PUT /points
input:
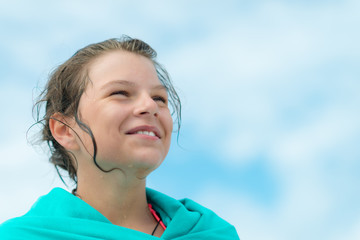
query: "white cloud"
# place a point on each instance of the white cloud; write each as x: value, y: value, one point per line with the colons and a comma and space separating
x: 247, y: 80
x: 312, y: 142
x: 302, y: 211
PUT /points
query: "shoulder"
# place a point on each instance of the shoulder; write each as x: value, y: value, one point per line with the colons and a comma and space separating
x: 12, y: 228
x: 23, y: 227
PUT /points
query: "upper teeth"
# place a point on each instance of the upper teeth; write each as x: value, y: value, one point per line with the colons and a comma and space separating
x: 146, y: 133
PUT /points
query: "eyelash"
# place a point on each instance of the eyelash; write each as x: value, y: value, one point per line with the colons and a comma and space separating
x: 159, y: 98
x: 126, y: 94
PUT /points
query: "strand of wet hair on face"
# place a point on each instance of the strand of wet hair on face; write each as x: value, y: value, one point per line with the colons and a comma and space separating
x: 174, y: 97
x: 175, y: 101
x: 86, y: 129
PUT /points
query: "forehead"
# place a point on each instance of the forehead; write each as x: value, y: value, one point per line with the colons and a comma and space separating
x: 121, y: 65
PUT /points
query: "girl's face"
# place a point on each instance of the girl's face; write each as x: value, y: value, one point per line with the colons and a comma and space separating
x: 126, y: 107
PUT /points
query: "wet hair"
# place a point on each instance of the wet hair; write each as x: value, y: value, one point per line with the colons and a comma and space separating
x: 68, y: 82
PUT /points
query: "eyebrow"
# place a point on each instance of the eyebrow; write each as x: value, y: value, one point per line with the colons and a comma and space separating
x: 130, y: 84
x: 116, y: 82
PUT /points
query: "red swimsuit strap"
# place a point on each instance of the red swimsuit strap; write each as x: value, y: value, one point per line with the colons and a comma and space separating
x: 156, y: 216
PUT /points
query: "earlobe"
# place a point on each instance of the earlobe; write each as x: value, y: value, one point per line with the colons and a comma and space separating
x: 61, y: 130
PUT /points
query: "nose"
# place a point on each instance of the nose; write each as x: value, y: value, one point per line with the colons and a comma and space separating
x: 145, y: 105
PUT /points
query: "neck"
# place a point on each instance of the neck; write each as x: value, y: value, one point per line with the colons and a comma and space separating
x: 121, y: 199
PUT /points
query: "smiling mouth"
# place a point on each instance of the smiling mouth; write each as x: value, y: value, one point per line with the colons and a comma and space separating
x: 145, y: 130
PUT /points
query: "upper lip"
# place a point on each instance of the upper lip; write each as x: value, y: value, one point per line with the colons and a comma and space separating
x: 148, y: 128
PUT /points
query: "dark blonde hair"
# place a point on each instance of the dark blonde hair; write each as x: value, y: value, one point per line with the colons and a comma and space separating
x: 67, y: 83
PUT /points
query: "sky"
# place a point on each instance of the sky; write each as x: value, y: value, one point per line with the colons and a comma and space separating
x: 270, y: 91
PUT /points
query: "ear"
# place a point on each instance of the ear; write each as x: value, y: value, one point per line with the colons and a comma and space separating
x: 60, y: 127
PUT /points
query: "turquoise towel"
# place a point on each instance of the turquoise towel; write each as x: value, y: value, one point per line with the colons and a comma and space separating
x: 60, y: 215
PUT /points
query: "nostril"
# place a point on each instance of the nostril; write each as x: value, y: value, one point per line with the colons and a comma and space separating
x: 150, y: 113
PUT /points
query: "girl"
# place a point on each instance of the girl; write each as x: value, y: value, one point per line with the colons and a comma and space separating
x: 108, y: 124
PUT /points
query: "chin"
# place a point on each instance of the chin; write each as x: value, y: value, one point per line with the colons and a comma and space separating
x: 142, y: 173
x: 140, y: 162
x: 143, y: 167
x: 148, y: 157
x: 148, y: 163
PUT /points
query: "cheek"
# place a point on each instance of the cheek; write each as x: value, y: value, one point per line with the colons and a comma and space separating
x: 169, y: 128
x: 168, y: 121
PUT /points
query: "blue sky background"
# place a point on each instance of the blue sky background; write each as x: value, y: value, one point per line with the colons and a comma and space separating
x: 270, y: 89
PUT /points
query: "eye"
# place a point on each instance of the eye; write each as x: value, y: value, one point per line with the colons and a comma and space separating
x: 160, y: 98
x: 121, y: 92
